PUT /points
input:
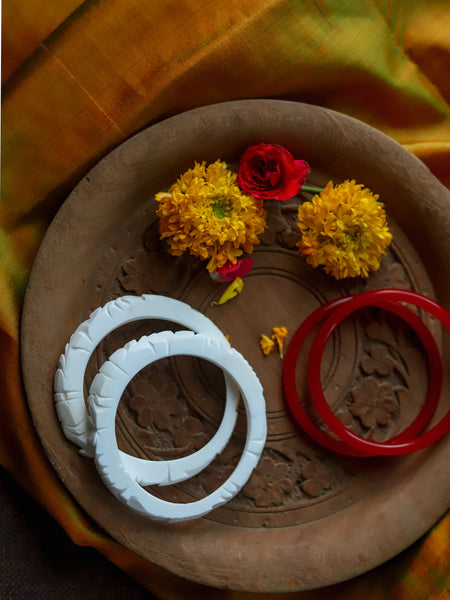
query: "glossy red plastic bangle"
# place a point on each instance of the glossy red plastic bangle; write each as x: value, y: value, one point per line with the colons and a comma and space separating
x: 434, y: 365
x: 373, y: 298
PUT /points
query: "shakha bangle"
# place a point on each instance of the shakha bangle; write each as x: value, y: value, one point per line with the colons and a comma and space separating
x: 69, y: 381
x: 107, y: 388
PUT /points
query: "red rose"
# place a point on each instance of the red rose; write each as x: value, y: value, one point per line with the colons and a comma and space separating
x: 269, y: 171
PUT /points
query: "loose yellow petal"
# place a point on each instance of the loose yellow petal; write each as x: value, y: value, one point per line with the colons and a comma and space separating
x: 267, y: 345
x: 279, y: 334
x: 232, y: 290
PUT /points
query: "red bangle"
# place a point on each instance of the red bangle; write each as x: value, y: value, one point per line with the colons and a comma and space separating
x: 434, y: 366
x: 395, y: 446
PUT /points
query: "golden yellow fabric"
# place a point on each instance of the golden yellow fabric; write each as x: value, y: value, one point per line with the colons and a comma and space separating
x: 81, y: 77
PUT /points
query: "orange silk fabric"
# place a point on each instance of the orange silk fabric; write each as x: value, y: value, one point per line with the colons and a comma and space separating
x: 81, y: 77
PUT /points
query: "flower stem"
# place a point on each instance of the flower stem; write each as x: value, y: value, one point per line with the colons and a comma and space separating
x: 311, y: 188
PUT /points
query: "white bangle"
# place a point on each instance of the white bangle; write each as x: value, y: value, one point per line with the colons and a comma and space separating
x: 106, y: 391
x: 69, y: 383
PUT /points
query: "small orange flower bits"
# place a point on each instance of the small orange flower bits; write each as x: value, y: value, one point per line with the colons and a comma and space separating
x: 279, y: 335
x: 267, y: 345
x: 206, y: 213
x: 344, y: 230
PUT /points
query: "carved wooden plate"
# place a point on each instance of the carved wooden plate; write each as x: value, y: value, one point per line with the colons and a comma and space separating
x: 307, y: 517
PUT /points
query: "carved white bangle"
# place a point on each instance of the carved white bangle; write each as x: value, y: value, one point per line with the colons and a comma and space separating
x: 106, y: 391
x: 69, y: 379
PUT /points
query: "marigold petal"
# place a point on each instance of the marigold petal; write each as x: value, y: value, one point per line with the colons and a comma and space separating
x: 267, y: 345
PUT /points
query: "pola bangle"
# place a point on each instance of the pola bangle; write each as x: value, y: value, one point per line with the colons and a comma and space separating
x: 300, y: 336
x: 396, y: 446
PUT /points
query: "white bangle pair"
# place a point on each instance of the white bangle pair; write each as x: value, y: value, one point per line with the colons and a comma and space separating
x: 93, y: 429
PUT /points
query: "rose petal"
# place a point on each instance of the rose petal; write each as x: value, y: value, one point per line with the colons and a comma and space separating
x: 229, y: 272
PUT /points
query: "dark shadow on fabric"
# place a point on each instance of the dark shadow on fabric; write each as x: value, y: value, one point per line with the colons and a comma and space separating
x: 39, y: 561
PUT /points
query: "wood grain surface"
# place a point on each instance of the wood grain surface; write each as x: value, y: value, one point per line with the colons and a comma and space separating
x: 307, y: 517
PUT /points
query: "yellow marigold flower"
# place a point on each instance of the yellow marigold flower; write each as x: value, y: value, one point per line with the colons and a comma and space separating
x: 344, y: 230
x: 267, y: 345
x: 279, y: 335
x: 206, y: 213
